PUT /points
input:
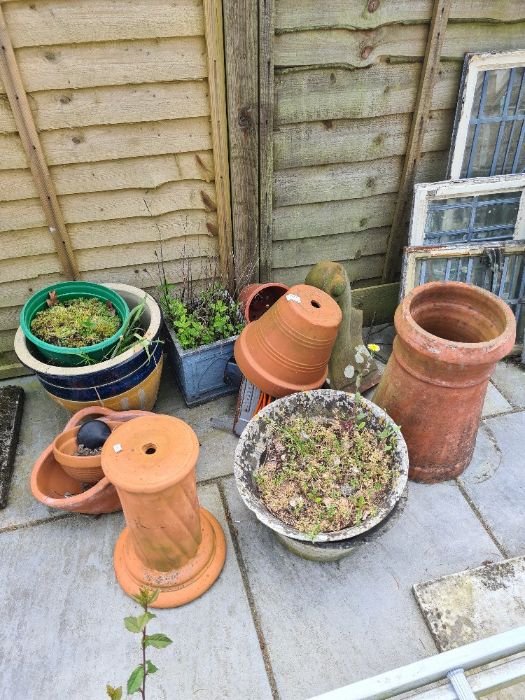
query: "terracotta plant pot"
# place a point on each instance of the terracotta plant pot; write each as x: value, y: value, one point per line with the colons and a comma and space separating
x: 288, y: 348
x: 87, y: 468
x: 170, y: 543
x: 256, y: 299
x: 53, y: 487
x: 449, y: 337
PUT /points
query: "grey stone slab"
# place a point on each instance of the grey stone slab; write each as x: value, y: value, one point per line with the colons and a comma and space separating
x: 11, y: 406
x: 63, y: 634
x: 328, y: 624
x: 384, y: 337
x: 509, y: 378
x: 494, y: 402
x: 495, y: 479
x: 474, y: 604
x: 217, y: 446
x: 42, y: 420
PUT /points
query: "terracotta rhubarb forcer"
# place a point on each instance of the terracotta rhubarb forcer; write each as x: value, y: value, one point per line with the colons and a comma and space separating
x: 289, y: 347
x: 256, y: 299
x: 55, y: 488
x: 449, y: 337
x: 170, y: 543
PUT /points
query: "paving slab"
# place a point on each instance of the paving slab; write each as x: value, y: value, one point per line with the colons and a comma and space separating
x: 217, y: 446
x: 63, y: 634
x: 495, y: 479
x: 509, y: 378
x: 11, y: 405
x: 329, y: 624
x: 495, y: 402
x: 474, y: 604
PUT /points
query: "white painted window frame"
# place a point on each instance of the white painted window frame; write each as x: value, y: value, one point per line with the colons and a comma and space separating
x: 414, y: 253
x: 475, y: 63
x: 426, y: 193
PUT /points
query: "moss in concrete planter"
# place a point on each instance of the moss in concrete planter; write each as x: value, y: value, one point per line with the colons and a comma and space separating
x: 326, y: 474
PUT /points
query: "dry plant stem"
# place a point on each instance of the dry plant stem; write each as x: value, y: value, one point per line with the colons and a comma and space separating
x: 143, y: 691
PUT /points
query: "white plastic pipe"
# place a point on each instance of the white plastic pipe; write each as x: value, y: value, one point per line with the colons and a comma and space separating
x: 431, y: 669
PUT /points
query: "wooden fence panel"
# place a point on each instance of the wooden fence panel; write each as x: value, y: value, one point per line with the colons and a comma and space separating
x: 122, y: 95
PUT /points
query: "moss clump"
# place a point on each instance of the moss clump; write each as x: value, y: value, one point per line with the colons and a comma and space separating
x: 76, y: 323
x: 324, y: 475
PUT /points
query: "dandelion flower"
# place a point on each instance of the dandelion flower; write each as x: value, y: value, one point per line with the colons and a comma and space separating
x: 373, y: 347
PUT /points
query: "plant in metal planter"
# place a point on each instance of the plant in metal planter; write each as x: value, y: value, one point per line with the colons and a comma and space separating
x: 202, y: 329
x: 323, y: 469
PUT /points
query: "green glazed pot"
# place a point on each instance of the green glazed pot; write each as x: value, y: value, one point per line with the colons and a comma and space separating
x: 72, y: 357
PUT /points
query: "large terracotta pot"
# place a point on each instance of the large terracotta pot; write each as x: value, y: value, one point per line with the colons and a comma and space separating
x: 288, y: 348
x: 170, y: 543
x: 55, y: 488
x: 256, y: 299
x: 449, y: 337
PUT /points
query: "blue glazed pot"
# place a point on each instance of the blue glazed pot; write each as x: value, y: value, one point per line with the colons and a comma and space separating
x: 128, y: 381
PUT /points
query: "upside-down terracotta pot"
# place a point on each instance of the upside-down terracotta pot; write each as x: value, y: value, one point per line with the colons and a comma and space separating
x: 169, y: 542
x: 256, y: 299
x: 55, y: 488
x: 449, y: 337
x: 288, y: 348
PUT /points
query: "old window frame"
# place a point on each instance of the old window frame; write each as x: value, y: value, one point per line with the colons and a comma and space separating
x: 476, y: 63
x: 427, y: 193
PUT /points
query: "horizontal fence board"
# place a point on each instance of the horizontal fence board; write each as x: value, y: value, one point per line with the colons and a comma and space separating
x: 144, y: 252
x: 341, y: 246
x: 348, y: 180
x: 95, y: 143
x: 367, y: 268
x: 147, y: 173
x: 337, y: 93
x: 120, y: 104
x: 312, y: 14
x: 103, y: 206
x: 358, y: 48
x: 17, y: 292
x: 325, y: 218
x: 28, y: 268
x: 154, y: 229
x: 348, y: 141
x: 90, y: 65
x: 18, y: 244
x: 14, y: 244
x: 7, y: 123
x: 146, y: 276
x: 47, y: 22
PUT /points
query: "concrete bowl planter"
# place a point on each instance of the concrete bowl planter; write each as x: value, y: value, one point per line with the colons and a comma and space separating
x: 128, y: 381
x: 251, y: 452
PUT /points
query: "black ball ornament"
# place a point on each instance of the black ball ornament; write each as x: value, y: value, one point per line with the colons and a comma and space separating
x: 93, y: 434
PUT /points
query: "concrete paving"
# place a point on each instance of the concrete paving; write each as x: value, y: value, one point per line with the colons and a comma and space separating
x: 273, y: 626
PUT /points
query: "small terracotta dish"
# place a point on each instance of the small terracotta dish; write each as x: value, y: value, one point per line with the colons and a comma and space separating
x: 84, y: 468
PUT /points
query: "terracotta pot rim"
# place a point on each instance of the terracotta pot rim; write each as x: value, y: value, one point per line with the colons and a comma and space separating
x: 453, y: 351
x: 253, y: 501
x: 248, y: 293
x: 71, y: 460
x: 63, y: 503
x: 29, y: 360
x: 125, y: 482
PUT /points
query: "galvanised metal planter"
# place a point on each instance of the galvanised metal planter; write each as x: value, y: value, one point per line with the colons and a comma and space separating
x: 449, y: 337
x: 200, y: 372
x: 129, y: 381
x: 251, y: 452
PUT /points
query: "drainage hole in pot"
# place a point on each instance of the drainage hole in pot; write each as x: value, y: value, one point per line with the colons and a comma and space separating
x: 149, y: 449
x: 315, y: 304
